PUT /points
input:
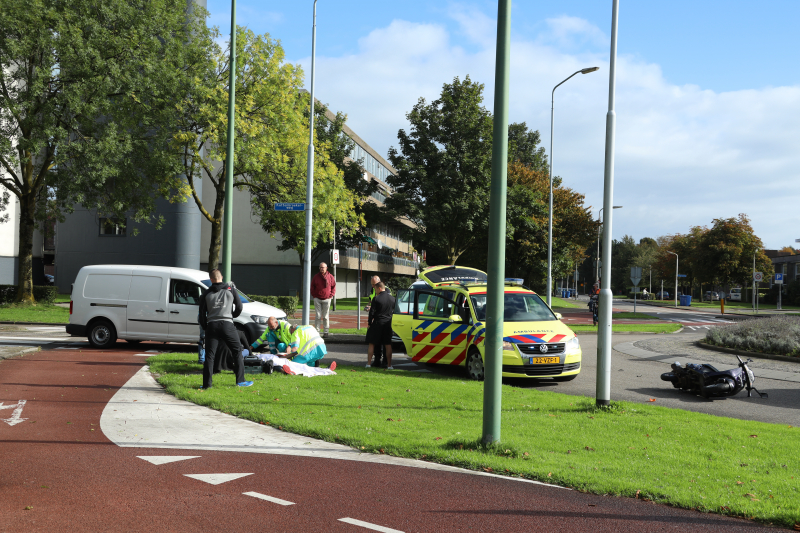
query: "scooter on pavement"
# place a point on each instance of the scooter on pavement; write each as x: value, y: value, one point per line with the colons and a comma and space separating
x: 709, y: 382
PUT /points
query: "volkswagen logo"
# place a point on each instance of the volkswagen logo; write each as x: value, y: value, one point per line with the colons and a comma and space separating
x: 543, y: 348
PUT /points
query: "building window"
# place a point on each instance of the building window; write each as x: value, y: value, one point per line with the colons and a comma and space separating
x: 112, y: 227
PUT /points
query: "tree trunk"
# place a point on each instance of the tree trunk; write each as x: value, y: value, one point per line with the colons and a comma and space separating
x: 215, y: 248
x: 27, y: 205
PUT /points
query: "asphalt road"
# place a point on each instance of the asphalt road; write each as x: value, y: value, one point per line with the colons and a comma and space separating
x: 61, y: 473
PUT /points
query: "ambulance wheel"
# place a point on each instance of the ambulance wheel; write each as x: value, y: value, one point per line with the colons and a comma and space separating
x: 102, y: 334
x: 474, y: 365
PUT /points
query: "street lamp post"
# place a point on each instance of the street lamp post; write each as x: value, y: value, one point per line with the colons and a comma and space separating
x: 310, y: 184
x: 597, y: 263
x: 676, y: 276
x: 550, y: 216
x: 604, y: 334
x: 227, y: 212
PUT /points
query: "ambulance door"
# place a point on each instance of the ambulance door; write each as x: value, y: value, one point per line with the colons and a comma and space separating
x: 433, y: 336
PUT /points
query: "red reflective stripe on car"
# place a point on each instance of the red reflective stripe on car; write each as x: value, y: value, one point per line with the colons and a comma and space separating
x: 423, y: 352
x: 458, y: 360
x: 444, y: 351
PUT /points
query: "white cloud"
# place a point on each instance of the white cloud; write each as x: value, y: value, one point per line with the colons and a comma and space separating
x: 684, y: 155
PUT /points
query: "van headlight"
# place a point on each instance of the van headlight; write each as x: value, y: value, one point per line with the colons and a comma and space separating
x: 258, y: 319
x: 573, y: 346
x: 507, y: 346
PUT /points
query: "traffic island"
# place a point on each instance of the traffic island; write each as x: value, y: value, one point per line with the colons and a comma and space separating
x: 686, y: 459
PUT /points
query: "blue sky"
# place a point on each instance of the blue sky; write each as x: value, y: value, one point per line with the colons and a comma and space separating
x: 708, y: 93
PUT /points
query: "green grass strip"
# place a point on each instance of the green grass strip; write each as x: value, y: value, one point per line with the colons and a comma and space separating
x: 639, y: 328
x: 681, y: 458
x: 636, y: 316
x: 562, y: 303
x: 34, y: 313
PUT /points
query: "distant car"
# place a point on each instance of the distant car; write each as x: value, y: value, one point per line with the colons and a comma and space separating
x: 663, y: 295
x: 712, y: 296
x: 735, y: 295
x: 49, y: 279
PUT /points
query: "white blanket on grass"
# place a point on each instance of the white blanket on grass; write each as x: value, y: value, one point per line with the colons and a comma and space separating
x: 298, y: 368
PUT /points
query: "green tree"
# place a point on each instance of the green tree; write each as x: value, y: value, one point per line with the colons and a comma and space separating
x: 88, y: 94
x: 728, y: 249
x: 444, y: 170
x: 271, y: 134
x: 523, y: 147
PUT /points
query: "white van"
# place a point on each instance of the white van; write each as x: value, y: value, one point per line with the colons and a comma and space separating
x: 736, y: 294
x: 155, y: 303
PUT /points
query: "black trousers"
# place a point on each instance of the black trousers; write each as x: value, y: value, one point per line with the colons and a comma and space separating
x: 222, y: 332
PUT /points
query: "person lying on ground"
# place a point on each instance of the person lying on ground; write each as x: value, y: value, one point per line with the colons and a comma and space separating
x: 296, y: 369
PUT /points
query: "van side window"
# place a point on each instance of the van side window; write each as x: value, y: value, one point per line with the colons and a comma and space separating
x: 184, y: 292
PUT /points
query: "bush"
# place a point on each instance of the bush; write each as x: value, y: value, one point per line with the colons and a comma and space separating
x: 287, y: 304
x: 44, y: 294
x: 398, y: 283
x: 778, y: 335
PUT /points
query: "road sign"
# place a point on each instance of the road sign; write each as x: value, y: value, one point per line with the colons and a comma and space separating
x: 288, y: 206
x: 758, y: 276
x: 681, y: 275
x: 636, y: 275
x: 335, y: 257
x: 778, y: 279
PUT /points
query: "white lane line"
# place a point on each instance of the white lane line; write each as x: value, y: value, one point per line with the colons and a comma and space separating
x: 367, y: 525
x: 67, y: 348
x: 153, y: 351
x: 164, y: 459
x: 216, y: 479
x: 143, y: 355
x: 268, y: 498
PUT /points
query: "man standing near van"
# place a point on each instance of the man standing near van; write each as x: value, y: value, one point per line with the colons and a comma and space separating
x: 219, y: 305
x: 380, y: 324
x: 323, y: 290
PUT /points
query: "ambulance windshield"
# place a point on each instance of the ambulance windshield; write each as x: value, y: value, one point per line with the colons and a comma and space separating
x: 519, y: 307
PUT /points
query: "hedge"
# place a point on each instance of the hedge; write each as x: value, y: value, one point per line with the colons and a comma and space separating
x: 45, y: 294
x: 287, y: 304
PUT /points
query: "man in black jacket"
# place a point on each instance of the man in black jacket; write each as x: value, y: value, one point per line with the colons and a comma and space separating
x: 380, y: 324
x: 219, y: 305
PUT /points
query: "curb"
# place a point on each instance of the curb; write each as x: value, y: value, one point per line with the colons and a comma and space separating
x: 757, y: 355
x: 333, y: 338
x: 33, y: 324
x: 21, y: 352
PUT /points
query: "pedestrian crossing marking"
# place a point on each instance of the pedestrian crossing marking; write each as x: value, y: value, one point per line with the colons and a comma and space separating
x: 216, y: 479
x: 267, y: 498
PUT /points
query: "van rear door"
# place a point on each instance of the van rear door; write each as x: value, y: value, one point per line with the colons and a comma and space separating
x: 147, y: 307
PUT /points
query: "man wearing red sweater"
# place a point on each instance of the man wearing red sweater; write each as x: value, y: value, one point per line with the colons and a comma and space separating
x: 323, y: 290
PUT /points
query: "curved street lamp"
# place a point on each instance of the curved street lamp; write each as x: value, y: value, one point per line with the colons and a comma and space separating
x: 550, y: 216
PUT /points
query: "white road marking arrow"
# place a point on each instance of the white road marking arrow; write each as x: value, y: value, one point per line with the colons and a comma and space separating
x: 164, y: 459
x: 216, y: 479
x: 15, y: 414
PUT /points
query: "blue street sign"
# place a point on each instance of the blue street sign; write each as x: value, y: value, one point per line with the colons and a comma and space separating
x: 681, y: 275
x: 286, y: 206
x: 778, y: 278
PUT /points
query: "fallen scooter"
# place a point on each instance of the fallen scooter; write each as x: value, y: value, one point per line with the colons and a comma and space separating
x: 709, y: 382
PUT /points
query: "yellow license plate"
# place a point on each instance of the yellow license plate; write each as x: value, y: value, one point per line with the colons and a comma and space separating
x: 544, y: 360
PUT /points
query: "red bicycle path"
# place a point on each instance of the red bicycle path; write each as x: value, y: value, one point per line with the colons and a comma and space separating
x: 60, y: 473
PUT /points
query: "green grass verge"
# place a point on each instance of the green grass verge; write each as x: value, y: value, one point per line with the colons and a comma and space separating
x: 34, y: 313
x: 637, y: 316
x: 63, y: 298
x: 562, y: 303
x: 348, y: 331
x: 681, y: 458
x: 620, y: 328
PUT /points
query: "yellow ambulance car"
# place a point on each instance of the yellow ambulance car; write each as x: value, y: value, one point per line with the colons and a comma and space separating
x: 443, y: 323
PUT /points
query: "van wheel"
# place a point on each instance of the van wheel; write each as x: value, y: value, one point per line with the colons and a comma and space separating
x: 474, y: 365
x: 102, y: 334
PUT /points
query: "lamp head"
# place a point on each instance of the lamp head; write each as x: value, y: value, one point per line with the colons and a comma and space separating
x: 588, y: 70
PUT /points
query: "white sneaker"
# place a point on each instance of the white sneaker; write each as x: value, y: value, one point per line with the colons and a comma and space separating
x: 368, y: 366
x: 389, y: 368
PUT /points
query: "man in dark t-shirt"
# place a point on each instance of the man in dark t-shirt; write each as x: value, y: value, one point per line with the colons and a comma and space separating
x: 380, y: 324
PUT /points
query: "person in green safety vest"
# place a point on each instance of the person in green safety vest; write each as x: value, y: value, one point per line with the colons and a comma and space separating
x: 305, y: 348
x: 278, y: 336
